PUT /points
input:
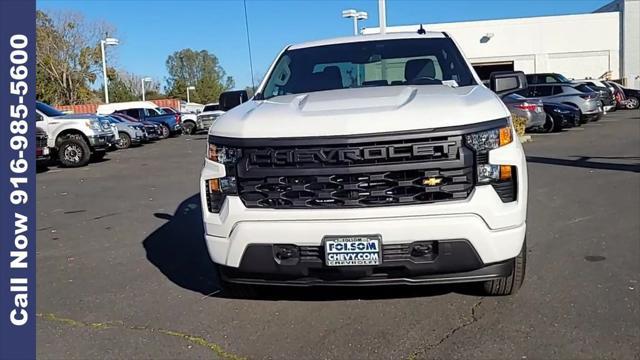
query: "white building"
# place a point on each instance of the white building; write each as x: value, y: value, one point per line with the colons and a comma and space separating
x: 603, y: 43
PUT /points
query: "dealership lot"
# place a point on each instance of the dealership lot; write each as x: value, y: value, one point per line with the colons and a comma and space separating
x: 123, y: 270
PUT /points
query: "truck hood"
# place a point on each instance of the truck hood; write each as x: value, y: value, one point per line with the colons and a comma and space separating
x: 361, y: 111
x: 78, y: 117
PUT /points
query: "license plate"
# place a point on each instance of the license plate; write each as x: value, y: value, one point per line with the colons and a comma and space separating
x: 357, y: 250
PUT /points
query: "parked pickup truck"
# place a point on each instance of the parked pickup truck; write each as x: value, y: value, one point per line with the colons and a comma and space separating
x: 368, y: 160
x: 145, y: 111
x: 74, y: 138
x: 42, y: 149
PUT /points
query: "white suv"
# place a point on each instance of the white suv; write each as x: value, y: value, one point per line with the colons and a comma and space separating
x: 368, y: 160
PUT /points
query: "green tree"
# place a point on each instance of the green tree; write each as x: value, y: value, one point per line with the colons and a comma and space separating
x: 68, y: 57
x: 201, y: 69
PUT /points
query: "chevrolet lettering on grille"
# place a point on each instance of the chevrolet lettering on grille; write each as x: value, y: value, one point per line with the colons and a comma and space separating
x: 266, y: 157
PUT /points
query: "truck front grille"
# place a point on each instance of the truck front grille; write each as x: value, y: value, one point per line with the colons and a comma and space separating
x: 41, y: 141
x: 357, y: 190
x: 374, y: 171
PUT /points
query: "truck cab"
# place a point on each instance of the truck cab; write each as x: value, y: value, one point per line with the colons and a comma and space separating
x: 368, y: 160
x: 74, y: 138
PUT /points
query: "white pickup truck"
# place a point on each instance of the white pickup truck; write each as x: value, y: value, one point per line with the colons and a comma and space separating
x: 368, y: 160
x: 76, y: 138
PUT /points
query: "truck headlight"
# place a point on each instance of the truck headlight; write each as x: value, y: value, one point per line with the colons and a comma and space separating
x: 224, y: 154
x: 490, y: 139
x: 218, y: 189
x: 93, y: 125
x: 501, y: 177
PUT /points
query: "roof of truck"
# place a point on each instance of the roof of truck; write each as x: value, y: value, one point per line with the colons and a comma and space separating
x: 372, y: 37
x: 113, y: 107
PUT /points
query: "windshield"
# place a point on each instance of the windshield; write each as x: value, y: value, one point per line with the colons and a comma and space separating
x: 214, y: 107
x: 113, y: 119
x: 48, y: 110
x: 368, y: 63
x: 562, y: 78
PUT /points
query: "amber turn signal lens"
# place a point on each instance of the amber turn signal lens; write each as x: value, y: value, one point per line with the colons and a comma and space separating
x: 505, y: 136
x: 214, y: 185
x: 505, y: 172
x: 212, y: 153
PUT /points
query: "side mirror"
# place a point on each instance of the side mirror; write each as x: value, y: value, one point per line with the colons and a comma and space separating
x: 503, y: 82
x: 39, y: 117
x: 230, y: 99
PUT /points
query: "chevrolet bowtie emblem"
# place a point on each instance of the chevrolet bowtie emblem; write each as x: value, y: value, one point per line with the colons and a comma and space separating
x: 431, y: 181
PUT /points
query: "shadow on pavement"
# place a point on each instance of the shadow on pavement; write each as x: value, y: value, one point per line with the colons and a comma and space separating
x: 178, y: 250
x: 583, y: 162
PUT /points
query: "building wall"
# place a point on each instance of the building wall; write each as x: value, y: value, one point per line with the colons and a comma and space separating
x: 631, y: 42
x: 578, y: 46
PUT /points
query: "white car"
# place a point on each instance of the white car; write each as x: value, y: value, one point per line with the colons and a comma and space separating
x: 368, y: 160
x: 74, y: 138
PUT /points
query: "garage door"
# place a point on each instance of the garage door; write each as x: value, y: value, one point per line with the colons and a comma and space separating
x: 579, y: 65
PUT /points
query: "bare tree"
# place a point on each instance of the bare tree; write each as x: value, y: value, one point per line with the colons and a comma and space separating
x: 68, y: 56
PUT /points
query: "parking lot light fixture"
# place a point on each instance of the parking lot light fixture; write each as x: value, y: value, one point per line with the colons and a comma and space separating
x: 112, y: 42
x: 355, y: 15
x: 189, y: 88
x: 143, y: 80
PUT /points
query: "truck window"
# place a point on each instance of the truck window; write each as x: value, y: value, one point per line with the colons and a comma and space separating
x: 133, y: 113
x: 213, y: 107
x: 151, y: 112
x: 428, y: 61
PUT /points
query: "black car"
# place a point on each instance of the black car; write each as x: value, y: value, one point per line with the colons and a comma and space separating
x: 560, y: 116
x: 547, y: 78
x: 633, y: 98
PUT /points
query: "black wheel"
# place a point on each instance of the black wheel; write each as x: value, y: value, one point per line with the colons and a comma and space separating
x: 73, y: 151
x: 511, y: 284
x: 164, y: 131
x: 549, y: 124
x: 188, y: 128
x: 557, y: 126
x: 632, y: 103
x: 124, y: 142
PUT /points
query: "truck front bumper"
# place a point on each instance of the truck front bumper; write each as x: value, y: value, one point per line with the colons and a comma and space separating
x: 101, y: 141
x: 474, y: 239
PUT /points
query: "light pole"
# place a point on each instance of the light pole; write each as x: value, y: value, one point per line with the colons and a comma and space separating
x: 355, y: 15
x: 143, y: 80
x: 107, y: 41
x: 189, y: 88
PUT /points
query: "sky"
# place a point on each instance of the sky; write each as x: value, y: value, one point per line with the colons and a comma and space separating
x: 149, y: 31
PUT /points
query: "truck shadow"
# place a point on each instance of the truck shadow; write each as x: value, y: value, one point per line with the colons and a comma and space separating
x: 178, y: 250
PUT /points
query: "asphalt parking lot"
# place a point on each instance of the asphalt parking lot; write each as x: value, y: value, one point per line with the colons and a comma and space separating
x: 123, y: 271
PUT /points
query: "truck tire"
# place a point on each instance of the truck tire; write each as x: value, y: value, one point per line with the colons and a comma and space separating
x: 165, y: 132
x: 188, y: 127
x: 124, y: 142
x: 74, y: 151
x: 511, y: 284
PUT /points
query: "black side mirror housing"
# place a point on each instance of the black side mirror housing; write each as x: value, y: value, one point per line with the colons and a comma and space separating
x: 506, y: 82
x: 230, y: 99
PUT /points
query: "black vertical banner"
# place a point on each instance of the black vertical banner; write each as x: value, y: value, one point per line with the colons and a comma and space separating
x: 17, y: 180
